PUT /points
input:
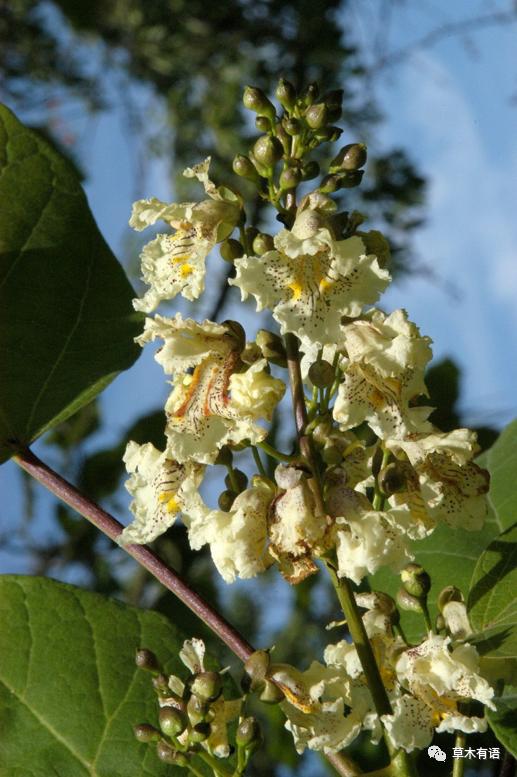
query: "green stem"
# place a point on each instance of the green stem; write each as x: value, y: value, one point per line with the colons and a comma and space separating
x: 192, y: 769
x: 344, y: 765
x: 258, y: 462
x: 233, y: 479
x: 267, y: 448
x: 214, y: 763
x: 427, y: 617
x: 458, y: 766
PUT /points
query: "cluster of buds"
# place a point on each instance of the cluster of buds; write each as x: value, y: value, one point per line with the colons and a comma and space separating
x: 193, y: 715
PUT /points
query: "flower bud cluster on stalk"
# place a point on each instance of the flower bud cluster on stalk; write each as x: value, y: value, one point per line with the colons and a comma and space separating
x: 380, y: 475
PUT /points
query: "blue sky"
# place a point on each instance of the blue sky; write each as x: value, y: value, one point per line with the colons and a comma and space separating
x: 453, y: 111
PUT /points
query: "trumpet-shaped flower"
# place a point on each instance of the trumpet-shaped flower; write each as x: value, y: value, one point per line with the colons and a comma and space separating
x: 173, y: 264
x: 384, y: 372
x: 201, y: 415
x: 158, y: 486
x: 237, y: 538
x: 296, y: 530
x: 444, y: 484
x: 310, y: 282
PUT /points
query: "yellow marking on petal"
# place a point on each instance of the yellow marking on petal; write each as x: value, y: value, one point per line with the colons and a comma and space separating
x: 186, y: 269
x: 180, y: 258
x: 296, y: 288
x: 169, y: 497
x: 325, y: 285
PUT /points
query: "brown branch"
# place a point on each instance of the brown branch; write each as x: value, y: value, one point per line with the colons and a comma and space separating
x: 112, y: 529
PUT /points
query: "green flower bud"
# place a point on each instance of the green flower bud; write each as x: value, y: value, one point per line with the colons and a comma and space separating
x: 226, y: 500
x: 271, y: 693
x: 322, y: 430
x: 208, y: 685
x: 392, y: 478
x: 289, y: 179
x: 263, y: 124
x: 145, y: 659
x: 332, y: 455
x: 310, y: 170
x: 407, y: 602
x: 321, y: 374
x: 272, y: 347
x: 316, y: 116
x: 352, y: 179
x: 292, y: 126
x: 240, y: 477
x: 255, y: 100
x: 168, y: 755
x: 248, y: 734
x: 200, y: 732
x: 172, y: 721
x: 449, y: 594
x: 334, y: 98
x: 268, y: 150
x: 351, y: 157
x: 161, y: 685
x: 310, y: 95
x: 328, y: 134
x: 197, y: 709
x: 224, y: 457
x: 415, y: 580
x: 251, y: 234
x: 242, y: 166
x: 262, y: 243
x: 440, y: 623
x: 256, y: 666
x: 146, y: 733
x: 231, y: 249
x: 286, y: 94
x: 329, y: 184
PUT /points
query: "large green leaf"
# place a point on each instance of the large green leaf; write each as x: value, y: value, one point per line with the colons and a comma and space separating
x: 69, y: 689
x: 502, y: 720
x: 501, y: 461
x: 66, y: 319
x: 492, y: 605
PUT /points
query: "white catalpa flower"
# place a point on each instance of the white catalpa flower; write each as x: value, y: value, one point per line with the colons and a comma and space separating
x: 384, y: 372
x: 329, y: 716
x: 237, y: 538
x: 255, y: 392
x: 442, y: 678
x: 173, y: 264
x: 157, y: 484
x: 310, y: 282
x: 411, y: 726
x: 442, y: 483
x: 201, y: 416
x: 296, y: 530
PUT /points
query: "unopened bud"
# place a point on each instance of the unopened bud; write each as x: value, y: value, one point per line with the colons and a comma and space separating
x: 310, y: 170
x: 285, y: 94
x: 200, y: 732
x: 271, y: 693
x: 248, y: 734
x: 243, y: 166
x: 224, y: 456
x: 145, y: 659
x: 289, y: 179
x: 310, y: 95
x: 292, y: 126
x: 272, y: 347
x: 263, y: 124
x: 330, y: 184
x: 376, y: 243
x: 415, y: 580
x: 322, y: 374
x: 351, y: 157
x: 255, y: 100
x: 230, y: 250
x: 449, y: 594
x: 392, y: 479
x: 196, y: 709
x: 208, y: 685
x: 407, y: 602
x: 172, y: 721
x: 240, y: 477
x: 268, y: 150
x: 161, y: 685
x: 316, y: 116
x: 328, y: 134
x: 146, y: 733
x: 332, y: 455
x: 262, y: 243
x: 352, y: 179
x: 226, y: 500
x: 440, y: 623
x: 168, y: 755
x: 256, y: 666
